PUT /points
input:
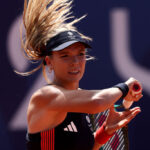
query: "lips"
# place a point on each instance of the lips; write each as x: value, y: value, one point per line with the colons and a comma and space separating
x: 74, y: 72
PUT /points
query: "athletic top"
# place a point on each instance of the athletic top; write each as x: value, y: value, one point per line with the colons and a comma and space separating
x: 74, y: 133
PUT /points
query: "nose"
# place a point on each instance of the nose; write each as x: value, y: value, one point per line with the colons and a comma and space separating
x: 75, y: 59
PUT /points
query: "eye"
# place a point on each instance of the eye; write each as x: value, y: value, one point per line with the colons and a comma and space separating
x: 81, y: 54
x: 62, y: 56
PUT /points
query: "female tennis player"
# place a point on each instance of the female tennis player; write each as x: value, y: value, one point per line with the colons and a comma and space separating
x: 58, y: 112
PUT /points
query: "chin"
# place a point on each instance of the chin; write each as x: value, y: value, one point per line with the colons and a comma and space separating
x: 73, y: 79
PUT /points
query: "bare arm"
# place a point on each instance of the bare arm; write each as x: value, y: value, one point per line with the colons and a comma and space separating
x: 116, y: 120
x: 49, y: 105
x: 87, y: 101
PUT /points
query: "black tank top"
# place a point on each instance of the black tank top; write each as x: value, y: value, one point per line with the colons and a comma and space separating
x: 74, y: 133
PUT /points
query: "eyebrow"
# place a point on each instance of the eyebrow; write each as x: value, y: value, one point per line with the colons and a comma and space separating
x: 82, y: 49
x: 66, y: 51
x: 63, y: 52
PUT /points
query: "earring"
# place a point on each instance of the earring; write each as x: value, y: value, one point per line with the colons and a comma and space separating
x: 50, y: 69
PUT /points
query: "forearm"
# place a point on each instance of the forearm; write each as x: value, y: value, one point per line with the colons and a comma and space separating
x: 86, y: 101
x: 89, y: 101
x: 106, y: 98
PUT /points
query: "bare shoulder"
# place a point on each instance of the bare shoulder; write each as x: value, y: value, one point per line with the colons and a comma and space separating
x: 45, y: 95
x: 45, y: 91
x: 39, y: 114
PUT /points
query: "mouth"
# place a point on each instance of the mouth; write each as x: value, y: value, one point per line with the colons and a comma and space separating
x: 75, y: 72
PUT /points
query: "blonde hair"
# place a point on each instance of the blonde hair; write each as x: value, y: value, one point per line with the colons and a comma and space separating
x: 43, y: 19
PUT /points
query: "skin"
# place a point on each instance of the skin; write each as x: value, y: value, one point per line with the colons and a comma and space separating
x: 65, y: 63
x: 49, y: 105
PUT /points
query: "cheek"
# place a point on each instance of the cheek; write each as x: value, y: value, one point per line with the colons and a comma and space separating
x: 83, y: 64
x: 60, y: 67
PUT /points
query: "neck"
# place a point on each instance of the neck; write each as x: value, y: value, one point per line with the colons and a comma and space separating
x: 68, y: 86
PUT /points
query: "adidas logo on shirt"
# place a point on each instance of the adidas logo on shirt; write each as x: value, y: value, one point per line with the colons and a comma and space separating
x: 71, y: 127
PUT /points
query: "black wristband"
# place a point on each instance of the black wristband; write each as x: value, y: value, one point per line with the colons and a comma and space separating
x: 124, y: 89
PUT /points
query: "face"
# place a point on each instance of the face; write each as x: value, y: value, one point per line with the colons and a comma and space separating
x: 68, y: 64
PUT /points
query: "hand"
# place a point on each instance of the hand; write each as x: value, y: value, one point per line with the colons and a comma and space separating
x: 132, y: 96
x: 117, y: 120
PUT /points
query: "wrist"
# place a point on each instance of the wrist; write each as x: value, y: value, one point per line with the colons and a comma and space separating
x: 108, y: 130
x: 123, y: 87
x: 102, y: 136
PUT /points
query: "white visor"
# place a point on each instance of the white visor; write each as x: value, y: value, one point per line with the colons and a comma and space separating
x: 64, y: 45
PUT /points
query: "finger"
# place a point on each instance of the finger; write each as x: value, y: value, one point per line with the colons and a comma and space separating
x: 137, y: 97
x: 134, y: 94
x: 135, y: 111
x: 132, y: 113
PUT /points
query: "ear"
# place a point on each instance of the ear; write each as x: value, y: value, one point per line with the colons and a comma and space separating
x: 48, y: 60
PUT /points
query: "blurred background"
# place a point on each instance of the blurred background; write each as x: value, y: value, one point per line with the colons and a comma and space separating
x: 121, y: 44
